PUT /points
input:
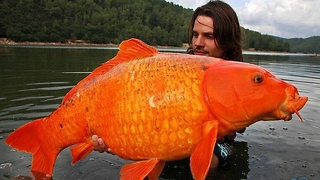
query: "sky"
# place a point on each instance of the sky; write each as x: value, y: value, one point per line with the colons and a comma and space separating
x: 283, y: 18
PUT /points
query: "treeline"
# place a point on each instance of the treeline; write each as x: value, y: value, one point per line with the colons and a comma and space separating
x: 95, y: 21
x: 156, y: 22
x: 308, y: 45
x: 257, y: 41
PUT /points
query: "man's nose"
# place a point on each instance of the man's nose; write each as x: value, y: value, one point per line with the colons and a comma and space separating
x: 199, y: 41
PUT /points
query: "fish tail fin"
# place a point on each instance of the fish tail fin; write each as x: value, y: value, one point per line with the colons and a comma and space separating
x: 42, y: 163
x: 81, y: 150
x: 26, y: 138
x: 141, y: 169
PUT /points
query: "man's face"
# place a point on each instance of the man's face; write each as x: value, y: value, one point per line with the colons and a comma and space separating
x: 203, y: 40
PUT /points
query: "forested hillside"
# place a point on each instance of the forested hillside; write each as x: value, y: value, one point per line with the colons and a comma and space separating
x: 257, y: 41
x: 156, y: 22
x: 97, y: 21
x: 308, y: 45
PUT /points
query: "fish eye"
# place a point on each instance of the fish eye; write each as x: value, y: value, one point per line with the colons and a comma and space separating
x: 258, y: 78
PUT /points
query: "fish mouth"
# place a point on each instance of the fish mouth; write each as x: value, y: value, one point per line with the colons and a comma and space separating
x: 294, y: 107
x: 288, y: 117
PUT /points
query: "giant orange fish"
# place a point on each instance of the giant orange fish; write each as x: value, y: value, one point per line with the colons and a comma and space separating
x: 156, y: 107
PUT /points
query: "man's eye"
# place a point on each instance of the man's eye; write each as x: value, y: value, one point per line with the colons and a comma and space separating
x: 210, y: 36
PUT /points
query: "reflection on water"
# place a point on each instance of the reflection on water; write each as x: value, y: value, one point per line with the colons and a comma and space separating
x: 238, y: 164
x: 39, y: 78
x: 34, y: 81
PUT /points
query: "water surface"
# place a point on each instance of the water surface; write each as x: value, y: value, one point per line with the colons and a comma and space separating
x: 34, y: 80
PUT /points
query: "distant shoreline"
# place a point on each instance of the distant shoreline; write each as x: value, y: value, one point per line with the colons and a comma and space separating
x: 5, y: 41
x: 80, y: 43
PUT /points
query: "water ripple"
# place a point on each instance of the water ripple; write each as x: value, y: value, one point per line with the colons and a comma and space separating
x: 47, y: 88
x: 31, y: 98
x: 47, y: 83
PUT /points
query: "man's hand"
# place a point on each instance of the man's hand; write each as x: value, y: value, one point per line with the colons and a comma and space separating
x: 99, y: 145
x: 231, y: 136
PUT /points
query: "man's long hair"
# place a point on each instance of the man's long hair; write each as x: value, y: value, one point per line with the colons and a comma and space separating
x: 227, y: 32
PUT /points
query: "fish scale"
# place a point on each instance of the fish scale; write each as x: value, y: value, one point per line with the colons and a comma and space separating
x: 156, y: 103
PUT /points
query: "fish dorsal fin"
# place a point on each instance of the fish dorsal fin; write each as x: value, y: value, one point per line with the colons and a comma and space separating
x: 129, y: 50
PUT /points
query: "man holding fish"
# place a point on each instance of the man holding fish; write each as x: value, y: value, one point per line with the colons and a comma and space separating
x: 214, y: 31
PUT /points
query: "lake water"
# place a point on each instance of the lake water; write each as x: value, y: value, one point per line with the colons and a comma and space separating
x: 34, y: 80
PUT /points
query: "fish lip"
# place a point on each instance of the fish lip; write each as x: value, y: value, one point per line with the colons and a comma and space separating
x: 300, y: 102
x: 295, y: 105
x: 288, y: 117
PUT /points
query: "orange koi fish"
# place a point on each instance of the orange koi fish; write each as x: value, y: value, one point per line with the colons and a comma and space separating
x: 155, y: 107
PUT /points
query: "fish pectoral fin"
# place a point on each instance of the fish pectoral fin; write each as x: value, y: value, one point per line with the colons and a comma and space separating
x: 201, y: 156
x: 141, y: 169
x: 80, y: 151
